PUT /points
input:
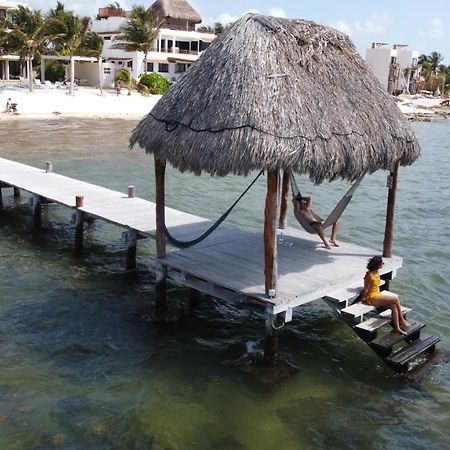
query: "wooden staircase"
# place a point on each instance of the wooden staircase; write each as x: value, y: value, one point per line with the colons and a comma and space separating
x: 404, y: 354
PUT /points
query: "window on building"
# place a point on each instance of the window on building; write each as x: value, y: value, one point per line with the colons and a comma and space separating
x: 393, y: 60
x: 180, y: 68
x: 130, y: 64
x: 106, y: 38
x: 150, y: 67
x: 106, y: 70
x: 204, y: 46
x: 163, y: 68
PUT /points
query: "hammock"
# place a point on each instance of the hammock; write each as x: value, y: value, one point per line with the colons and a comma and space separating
x: 186, y: 244
x: 334, y: 215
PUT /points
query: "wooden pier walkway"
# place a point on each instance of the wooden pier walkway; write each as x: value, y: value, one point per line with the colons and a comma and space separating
x: 228, y: 264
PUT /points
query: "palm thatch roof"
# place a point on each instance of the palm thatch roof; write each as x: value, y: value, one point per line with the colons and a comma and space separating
x: 276, y: 93
x: 175, y: 9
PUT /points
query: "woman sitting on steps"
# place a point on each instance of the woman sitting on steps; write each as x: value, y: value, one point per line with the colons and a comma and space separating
x: 372, y: 295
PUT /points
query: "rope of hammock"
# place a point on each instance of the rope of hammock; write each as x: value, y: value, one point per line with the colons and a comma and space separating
x: 338, y: 209
x: 186, y: 244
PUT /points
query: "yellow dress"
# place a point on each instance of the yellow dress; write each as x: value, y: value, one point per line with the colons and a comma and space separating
x: 374, y: 287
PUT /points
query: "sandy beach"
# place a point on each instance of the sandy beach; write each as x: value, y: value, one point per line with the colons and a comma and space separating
x: 85, y: 102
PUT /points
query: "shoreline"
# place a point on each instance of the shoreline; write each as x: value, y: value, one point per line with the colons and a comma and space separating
x: 88, y: 103
x: 85, y: 103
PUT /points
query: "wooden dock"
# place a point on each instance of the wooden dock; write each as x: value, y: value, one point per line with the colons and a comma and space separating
x: 228, y: 264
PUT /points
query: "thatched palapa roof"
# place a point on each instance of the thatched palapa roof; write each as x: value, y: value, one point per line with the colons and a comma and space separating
x: 276, y: 93
x: 175, y: 9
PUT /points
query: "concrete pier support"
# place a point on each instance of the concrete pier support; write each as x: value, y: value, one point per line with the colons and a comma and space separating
x: 271, y: 340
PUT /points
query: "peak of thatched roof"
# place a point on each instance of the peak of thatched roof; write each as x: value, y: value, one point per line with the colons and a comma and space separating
x: 277, y: 93
x: 175, y: 9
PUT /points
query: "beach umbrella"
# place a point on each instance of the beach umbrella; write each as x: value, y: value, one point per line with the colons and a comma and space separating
x: 279, y: 95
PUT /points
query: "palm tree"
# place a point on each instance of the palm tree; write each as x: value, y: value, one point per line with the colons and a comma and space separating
x: 67, y: 33
x: 139, y: 33
x: 435, y: 60
x: 92, y: 45
x: 24, y: 33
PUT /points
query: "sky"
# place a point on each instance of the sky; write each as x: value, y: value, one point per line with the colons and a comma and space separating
x: 422, y: 27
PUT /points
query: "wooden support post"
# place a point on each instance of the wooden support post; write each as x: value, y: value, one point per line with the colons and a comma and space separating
x: 160, y: 284
x: 131, y: 192
x: 37, y: 210
x: 270, y: 233
x: 390, y: 211
x: 16, y: 192
x: 49, y: 167
x: 79, y: 223
x: 194, y: 298
x: 1, y: 197
x: 284, y: 200
x: 271, y: 341
x: 131, y: 249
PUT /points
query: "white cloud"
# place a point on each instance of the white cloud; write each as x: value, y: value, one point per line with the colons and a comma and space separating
x: 342, y: 26
x: 434, y: 30
x: 375, y: 24
x: 277, y: 12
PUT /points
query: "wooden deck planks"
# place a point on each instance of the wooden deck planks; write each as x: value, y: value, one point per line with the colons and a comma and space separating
x: 230, y: 257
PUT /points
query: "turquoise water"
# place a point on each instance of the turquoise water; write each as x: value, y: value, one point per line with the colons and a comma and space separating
x: 84, y: 366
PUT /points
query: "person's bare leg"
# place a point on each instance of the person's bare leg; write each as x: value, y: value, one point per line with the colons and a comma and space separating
x: 319, y: 231
x: 333, y: 238
x: 401, y: 320
x: 389, y: 302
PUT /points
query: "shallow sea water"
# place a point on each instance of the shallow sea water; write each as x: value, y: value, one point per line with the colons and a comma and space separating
x: 83, y: 366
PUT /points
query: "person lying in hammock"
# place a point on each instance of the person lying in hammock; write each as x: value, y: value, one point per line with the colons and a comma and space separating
x: 303, y: 206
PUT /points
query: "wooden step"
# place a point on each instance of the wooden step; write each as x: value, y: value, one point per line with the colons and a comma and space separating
x: 387, y: 312
x: 357, y: 311
x: 372, y: 324
x: 400, y: 359
x: 386, y: 342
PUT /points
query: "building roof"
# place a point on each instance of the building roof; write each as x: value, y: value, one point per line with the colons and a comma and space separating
x: 277, y: 93
x: 175, y: 9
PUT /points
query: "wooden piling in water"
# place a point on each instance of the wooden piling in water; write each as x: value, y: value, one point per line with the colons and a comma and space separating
x: 16, y: 192
x: 79, y: 227
x: 37, y: 211
x: 271, y: 338
x: 131, y: 249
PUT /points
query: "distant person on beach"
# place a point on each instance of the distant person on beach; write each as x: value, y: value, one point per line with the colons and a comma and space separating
x: 10, y: 107
x: 303, y: 206
x: 118, y: 86
x: 372, y: 295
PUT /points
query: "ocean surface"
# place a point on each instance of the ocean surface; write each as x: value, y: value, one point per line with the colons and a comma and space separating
x: 83, y: 365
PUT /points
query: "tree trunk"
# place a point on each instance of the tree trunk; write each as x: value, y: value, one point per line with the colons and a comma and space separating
x: 100, y: 72
x: 390, y: 212
x: 30, y: 72
x: 270, y: 233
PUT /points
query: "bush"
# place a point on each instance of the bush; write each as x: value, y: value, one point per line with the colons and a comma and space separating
x: 54, y: 71
x: 155, y: 82
x: 123, y: 75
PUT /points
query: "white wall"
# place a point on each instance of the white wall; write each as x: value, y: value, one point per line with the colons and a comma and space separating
x: 379, y: 60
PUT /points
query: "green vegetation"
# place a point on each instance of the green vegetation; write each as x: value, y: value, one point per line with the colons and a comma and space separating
x: 155, y: 83
x: 436, y: 75
x: 139, y: 33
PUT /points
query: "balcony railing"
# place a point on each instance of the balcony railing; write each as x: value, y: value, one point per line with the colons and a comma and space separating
x: 177, y: 51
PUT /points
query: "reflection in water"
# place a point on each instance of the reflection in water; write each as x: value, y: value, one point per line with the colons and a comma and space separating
x: 83, y: 365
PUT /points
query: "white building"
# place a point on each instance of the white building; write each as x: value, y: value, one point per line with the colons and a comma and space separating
x: 396, y: 68
x: 177, y: 46
x: 9, y: 64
